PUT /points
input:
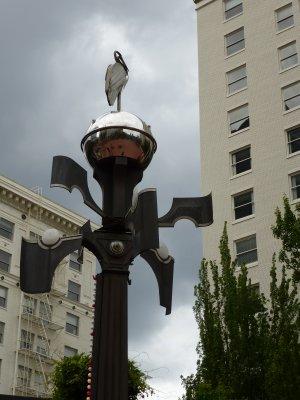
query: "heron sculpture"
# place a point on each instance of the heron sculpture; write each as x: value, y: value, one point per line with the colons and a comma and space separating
x: 115, y: 80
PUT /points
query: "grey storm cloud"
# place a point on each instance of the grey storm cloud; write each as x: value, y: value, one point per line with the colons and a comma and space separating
x: 53, y: 60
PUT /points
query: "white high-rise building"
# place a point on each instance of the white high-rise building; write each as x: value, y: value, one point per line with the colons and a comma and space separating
x: 249, y: 88
x: 35, y: 330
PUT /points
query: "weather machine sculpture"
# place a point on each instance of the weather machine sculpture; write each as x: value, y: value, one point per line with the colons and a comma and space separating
x: 118, y: 146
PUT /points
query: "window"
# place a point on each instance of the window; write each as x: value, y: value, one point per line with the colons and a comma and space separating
x: 70, y: 352
x: 74, y: 264
x: 241, y: 160
x: 29, y: 305
x: 5, y: 261
x: 293, y: 136
x: 72, y: 324
x: 254, y: 288
x: 42, y: 346
x: 243, y: 204
x: 284, y: 17
x: 73, y: 291
x: 24, y: 376
x: 237, y: 79
x: 39, y: 382
x: 295, y: 183
x: 34, y: 236
x: 246, y: 250
x: 6, y: 228
x: 3, y: 296
x: 235, y: 41
x: 288, y: 56
x: 233, y: 8
x: 27, y: 339
x: 2, y: 326
x: 291, y: 96
x: 45, y: 311
x: 239, y: 118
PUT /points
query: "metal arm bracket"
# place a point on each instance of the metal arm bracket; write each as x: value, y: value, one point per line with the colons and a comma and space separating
x: 66, y: 173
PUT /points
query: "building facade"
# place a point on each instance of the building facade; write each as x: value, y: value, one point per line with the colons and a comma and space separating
x: 36, y: 330
x: 249, y: 87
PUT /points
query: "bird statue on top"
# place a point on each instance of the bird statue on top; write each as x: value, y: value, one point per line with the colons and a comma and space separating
x: 115, y: 80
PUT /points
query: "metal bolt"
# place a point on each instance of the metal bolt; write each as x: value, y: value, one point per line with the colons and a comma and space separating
x: 117, y: 247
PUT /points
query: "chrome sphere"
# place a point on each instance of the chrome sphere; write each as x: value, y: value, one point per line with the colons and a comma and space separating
x: 50, y: 237
x: 119, y: 134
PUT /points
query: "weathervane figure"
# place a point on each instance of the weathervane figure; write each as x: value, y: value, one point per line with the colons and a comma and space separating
x: 115, y: 80
x: 119, y: 146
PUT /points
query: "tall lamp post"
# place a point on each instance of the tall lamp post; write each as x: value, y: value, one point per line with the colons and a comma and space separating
x: 118, y: 146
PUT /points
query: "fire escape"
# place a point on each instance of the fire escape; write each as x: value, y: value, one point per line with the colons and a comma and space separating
x: 35, y: 352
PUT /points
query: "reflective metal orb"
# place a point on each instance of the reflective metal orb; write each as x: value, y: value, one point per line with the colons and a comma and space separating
x: 119, y: 134
x: 50, y: 237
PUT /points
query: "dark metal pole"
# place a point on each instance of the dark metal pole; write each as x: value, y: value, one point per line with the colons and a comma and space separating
x: 110, y: 368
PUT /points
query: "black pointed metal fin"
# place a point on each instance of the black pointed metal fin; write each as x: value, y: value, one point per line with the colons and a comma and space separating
x: 85, y: 229
x: 38, y: 263
x: 66, y: 173
x: 197, y: 209
x: 163, y: 270
x: 143, y: 222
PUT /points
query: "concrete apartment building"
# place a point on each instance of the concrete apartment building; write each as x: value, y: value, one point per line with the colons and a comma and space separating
x: 38, y: 329
x: 249, y: 86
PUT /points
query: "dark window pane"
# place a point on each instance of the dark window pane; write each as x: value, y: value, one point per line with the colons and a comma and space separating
x: 4, y: 260
x: 6, y: 228
x: 289, y: 62
x: 73, y: 291
x: 74, y: 264
x: 285, y: 23
x: 294, y: 146
x: 242, y: 155
x: 236, y: 74
x: 296, y: 186
x: 239, y: 125
x: 3, y: 296
x: 246, y: 250
x: 70, y: 351
x: 242, y: 199
x: 247, y: 258
x: 243, y: 166
x: 243, y: 205
x: 235, y: 10
x: 71, y: 329
x: 243, y: 211
x: 294, y: 140
x: 285, y: 17
x: 2, y: 326
x: 288, y: 50
x: 238, y: 85
x: 246, y: 244
x: 235, y: 41
x: 235, y: 47
x: 241, y: 161
x: 292, y: 103
x: 72, y: 324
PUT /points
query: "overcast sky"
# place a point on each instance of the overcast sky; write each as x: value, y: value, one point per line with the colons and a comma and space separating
x: 54, y: 54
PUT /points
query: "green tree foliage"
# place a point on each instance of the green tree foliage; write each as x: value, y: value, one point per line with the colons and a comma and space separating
x: 287, y: 229
x: 248, y: 347
x: 69, y: 379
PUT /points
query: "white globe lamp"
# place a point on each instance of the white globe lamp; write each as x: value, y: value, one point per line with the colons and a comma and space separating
x: 163, y: 251
x: 50, y: 237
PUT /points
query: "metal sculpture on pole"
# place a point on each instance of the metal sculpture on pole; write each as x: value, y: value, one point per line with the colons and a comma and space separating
x: 119, y: 146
